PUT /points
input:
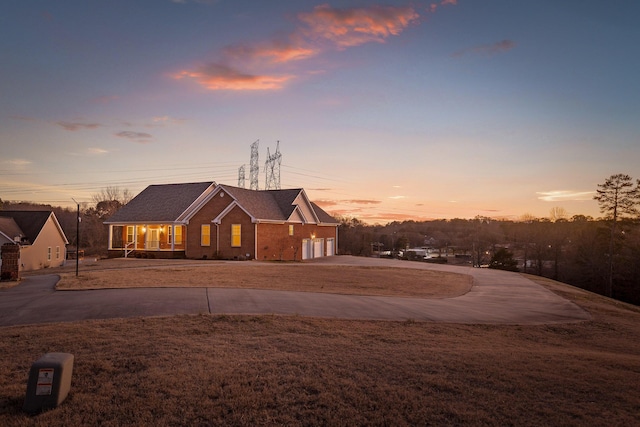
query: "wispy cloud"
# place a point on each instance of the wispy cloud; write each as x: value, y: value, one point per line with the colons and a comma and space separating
x: 361, y: 202
x: 20, y: 163
x: 106, y: 99
x: 434, y: 6
x: 355, y: 26
x: 97, y: 151
x: 275, y: 51
x: 565, y: 195
x: 222, y: 77
x: 140, y: 137
x: 325, y: 28
x: 75, y: 126
x: 24, y: 118
x: 166, y: 119
x: 487, y: 49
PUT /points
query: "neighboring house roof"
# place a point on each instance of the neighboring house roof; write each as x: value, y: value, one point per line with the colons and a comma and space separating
x: 9, y: 230
x: 161, y: 203
x: 32, y: 222
x: 179, y: 202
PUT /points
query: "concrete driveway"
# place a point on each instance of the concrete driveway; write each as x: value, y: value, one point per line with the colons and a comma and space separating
x: 497, y: 297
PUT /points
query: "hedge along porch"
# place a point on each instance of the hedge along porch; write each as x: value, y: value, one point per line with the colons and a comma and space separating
x: 219, y: 221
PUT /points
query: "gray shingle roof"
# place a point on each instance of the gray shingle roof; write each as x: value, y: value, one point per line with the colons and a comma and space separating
x: 166, y: 203
x: 30, y: 222
x: 323, y: 216
x: 158, y: 203
x: 274, y: 205
x: 9, y: 228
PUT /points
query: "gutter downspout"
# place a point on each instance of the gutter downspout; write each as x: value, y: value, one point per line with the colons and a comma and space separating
x: 255, y: 233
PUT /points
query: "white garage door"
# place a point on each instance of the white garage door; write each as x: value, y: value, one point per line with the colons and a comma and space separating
x: 331, y: 247
x: 318, y: 248
x: 306, y: 246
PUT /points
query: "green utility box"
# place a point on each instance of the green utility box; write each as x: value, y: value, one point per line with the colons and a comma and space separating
x: 49, y: 382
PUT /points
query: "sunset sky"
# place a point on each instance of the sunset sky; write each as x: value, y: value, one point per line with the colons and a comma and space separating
x: 384, y: 111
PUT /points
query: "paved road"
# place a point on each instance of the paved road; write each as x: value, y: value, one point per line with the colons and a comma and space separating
x: 497, y: 297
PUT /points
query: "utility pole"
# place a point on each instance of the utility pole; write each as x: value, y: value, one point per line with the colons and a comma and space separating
x: 77, y: 235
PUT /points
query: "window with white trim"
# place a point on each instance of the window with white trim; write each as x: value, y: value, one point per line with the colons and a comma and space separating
x: 49, y: 253
x: 205, y: 235
x: 236, y: 235
x: 178, y: 235
x: 57, y: 252
x: 130, y: 235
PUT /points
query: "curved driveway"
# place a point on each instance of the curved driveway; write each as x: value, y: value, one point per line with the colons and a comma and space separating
x: 497, y: 297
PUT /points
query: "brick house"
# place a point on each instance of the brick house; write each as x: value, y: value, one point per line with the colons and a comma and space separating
x: 39, y: 236
x: 206, y: 220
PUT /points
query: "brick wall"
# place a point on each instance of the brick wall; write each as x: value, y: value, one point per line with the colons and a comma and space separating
x: 222, y: 232
x: 10, y: 262
x: 275, y: 244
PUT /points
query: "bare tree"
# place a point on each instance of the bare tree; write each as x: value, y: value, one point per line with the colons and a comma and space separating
x: 617, y: 197
x: 123, y: 196
x: 557, y: 214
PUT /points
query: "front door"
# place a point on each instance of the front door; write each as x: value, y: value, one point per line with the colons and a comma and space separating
x: 154, y: 238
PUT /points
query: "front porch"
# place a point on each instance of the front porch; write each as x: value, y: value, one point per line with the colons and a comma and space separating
x: 147, y: 240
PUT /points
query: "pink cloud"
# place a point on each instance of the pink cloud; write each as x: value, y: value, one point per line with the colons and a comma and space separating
x: 356, y: 26
x: 72, y: 127
x: 140, y: 137
x: 250, y: 66
x: 222, y: 77
x: 274, y: 52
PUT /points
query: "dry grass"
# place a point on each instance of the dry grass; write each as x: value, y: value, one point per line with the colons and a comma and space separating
x: 276, y: 276
x: 288, y: 370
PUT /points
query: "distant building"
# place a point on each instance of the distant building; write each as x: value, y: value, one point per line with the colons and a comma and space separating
x: 205, y: 220
x: 40, y: 237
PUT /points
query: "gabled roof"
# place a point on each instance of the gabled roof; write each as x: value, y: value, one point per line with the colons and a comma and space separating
x: 32, y: 222
x: 161, y: 203
x: 275, y: 205
x: 10, y: 230
x: 323, y: 216
x: 272, y: 205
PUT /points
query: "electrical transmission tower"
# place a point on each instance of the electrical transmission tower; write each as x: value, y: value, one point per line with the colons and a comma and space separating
x: 254, y: 169
x: 272, y: 169
x: 241, y: 176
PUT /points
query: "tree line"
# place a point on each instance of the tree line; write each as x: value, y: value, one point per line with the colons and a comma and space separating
x: 600, y: 255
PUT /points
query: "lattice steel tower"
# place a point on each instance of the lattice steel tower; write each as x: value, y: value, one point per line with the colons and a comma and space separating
x: 272, y: 169
x: 241, y: 176
x: 254, y: 169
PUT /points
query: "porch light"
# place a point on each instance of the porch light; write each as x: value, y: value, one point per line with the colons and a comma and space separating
x: 144, y: 228
x: 313, y: 235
